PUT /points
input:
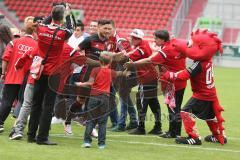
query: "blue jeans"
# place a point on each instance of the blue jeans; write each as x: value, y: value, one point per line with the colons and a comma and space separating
x: 127, y: 107
x: 100, y: 101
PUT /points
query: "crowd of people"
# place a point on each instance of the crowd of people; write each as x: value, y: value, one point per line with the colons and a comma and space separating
x: 96, y: 65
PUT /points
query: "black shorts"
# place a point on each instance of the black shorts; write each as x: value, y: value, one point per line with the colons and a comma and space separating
x: 200, y: 108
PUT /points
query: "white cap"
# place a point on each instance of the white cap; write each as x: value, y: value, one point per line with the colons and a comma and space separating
x: 138, y: 33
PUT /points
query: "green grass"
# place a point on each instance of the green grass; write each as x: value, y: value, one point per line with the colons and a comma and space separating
x: 121, y: 146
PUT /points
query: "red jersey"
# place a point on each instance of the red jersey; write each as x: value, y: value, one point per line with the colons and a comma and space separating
x: 102, y: 80
x: 168, y: 57
x: 147, y: 73
x: 202, y: 82
x: 45, y: 35
x: 65, y: 55
x: 118, y: 43
x: 15, y: 50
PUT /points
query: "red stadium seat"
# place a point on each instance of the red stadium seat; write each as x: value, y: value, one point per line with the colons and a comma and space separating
x: 146, y: 14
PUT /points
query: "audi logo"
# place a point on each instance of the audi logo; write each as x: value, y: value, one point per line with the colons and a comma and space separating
x: 23, y: 48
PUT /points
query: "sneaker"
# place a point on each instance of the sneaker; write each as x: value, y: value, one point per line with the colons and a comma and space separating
x: 118, y: 129
x: 16, y: 136
x: 12, y: 132
x: 156, y: 131
x: 56, y: 120
x: 86, y: 145
x: 94, y: 133
x: 138, y: 131
x: 167, y: 135
x: 188, y: 140
x: 211, y: 138
x: 68, y: 129
x: 131, y: 126
x: 1, y: 128
x: 101, y: 146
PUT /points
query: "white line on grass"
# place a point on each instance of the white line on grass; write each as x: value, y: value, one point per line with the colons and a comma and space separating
x: 143, y: 136
x: 156, y: 144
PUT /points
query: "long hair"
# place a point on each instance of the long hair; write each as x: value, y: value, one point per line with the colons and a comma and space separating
x: 5, y: 34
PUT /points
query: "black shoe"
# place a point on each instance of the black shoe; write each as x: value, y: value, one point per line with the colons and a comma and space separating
x: 167, y: 135
x: 31, y: 140
x: 1, y: 128
x: 138, y: 131
x: 188, y: 140
x: 118, y: 129
x: 155, y: 131
x: 211, y: 138
x: 46, y: 143
x: 131, y: 126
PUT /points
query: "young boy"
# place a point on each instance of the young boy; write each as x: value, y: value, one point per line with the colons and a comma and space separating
x: 100, y: 81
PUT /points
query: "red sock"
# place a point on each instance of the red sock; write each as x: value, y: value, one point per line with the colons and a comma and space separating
x: 189, y: 124
x: 213, y: 126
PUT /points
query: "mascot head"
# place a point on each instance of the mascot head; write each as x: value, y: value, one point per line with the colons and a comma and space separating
x: 203, y: 45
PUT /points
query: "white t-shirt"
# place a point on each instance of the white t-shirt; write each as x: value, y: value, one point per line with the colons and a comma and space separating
x: 74, y: 42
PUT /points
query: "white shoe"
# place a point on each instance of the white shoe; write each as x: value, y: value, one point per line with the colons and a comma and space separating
x: 94, y: 133
x: 86, y: 145
x: 1, y: 128
x: 56, y: 120
x: 68, y: 129
x: 16, y: 136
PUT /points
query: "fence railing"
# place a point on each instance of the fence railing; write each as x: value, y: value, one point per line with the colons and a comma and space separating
x: 177, y: 21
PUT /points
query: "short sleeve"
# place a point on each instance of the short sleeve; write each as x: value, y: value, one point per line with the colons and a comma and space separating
x: 195, y: 68
x: 158, y: 58
x: 8, y: 51
x: 136, y: 55
x: 94, y: 72
x: 85, y: 44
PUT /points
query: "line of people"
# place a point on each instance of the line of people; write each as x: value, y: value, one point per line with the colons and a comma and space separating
x: 112, y: 64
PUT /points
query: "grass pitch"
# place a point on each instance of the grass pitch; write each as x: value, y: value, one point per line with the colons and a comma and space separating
x: 122, y: 146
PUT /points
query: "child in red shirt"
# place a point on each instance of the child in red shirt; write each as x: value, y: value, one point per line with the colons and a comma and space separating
x: 98, y: 105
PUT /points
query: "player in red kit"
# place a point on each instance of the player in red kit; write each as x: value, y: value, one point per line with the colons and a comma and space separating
x: 204, y: 102
x: 167, y: 56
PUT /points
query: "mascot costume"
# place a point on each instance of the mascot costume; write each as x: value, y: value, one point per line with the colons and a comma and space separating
x: 204, y: 103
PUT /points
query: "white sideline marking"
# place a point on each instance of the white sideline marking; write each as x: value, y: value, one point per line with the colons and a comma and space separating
x: 156, y: 144
x: 141, y: 136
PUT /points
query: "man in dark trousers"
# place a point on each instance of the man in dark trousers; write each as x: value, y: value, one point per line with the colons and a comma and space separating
x: 43, y: 97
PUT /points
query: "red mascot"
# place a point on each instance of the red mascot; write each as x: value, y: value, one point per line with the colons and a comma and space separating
x: 204, y: 102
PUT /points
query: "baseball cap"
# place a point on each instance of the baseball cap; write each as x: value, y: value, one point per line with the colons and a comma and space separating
x: 138, y: 33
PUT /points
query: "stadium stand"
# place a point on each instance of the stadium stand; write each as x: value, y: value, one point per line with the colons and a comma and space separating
x: 128, y: 14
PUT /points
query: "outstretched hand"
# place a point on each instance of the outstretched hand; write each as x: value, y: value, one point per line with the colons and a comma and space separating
x: 118, y: 57
x: 128, y: 65
x: 68, y: 9
x: 168, y: 76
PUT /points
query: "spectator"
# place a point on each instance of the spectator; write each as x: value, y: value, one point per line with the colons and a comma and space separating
x: 147, y: 77
x: 43, y: 97
x: 13, y: 79
x: 118, y: 43
x: 166, y: 55
x: 100, y: 80
x: 93, y: 27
